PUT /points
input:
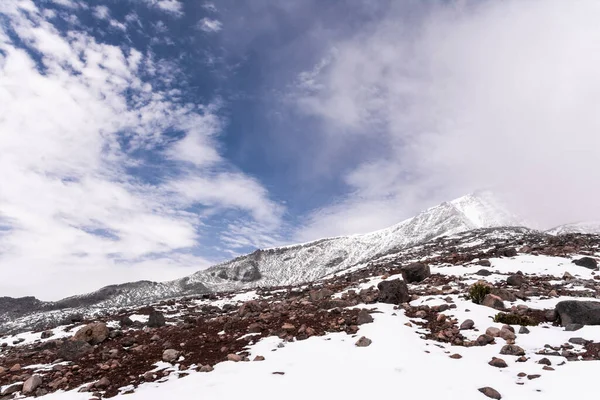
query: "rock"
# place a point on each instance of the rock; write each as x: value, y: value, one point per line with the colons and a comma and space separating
x: 483, y: 340
x: 2, y: 371
x: 534, y: 376
x: 552, y: 293
x: 32, y: 384
x: 523, y: 330
x: 551, y: 315
x: 516, y: 280
x: 484, y: 263
x: 579, y: 341
x: 103, y: 383
x: 492, y: 331
x: 547, y: 368
x: 14, y: 388
x: 47, y: 334
x: 234, y: 357
x: 498, y: 363
x: 255, y: 327
x: 363, y: 317
x: 206, y: 368
x: 484, y: 272
x: 578, y: 312
x: 504, y: 294
x: 156, y: 319
x: 288, y: 327
x: 317, y: 295
x: 545, y: 361
x: 72, y: 350
x: 15, y: 368
x: 493, y: 301
x: 363, y: 342
x: 393, y: 292
x: 567, y: 277
x: 573, y: 327
x: 170, y: 355
x: 93, y: 333
x: 467, y: 324
x: 512, y: 350
x: 507, y: 252
x: 259, y: 358
x: 125, y: 322
x: 587, y: 262
x: 490, y: 392
x: 456, y: 356
x: 415, y: 272
x: 507, y: 334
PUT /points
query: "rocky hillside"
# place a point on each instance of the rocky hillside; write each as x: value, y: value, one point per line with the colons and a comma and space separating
x: 267, y: 268
x: 489, y: 313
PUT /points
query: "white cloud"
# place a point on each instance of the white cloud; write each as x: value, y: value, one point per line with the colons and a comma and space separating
x: 101, y: 12
x: 210, y: 25
x: 70, y: 211
x: 483, y: 94
x: 171, y: 6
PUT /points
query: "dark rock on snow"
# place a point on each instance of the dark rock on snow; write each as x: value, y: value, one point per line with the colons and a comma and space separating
x: 587, y: 262
x: 578, y: 312
x: 415, y: 272
x: 393, y: 292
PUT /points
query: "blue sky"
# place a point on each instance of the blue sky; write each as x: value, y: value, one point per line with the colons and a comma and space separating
x: 146, y: 139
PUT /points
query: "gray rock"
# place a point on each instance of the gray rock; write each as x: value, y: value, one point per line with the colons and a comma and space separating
x: 507, y: 252
x: 490, y: 392
x: 32, y: 384
x: 363, y: 342
x: 467, y: 324
x: 579, y: 341
x: 483, y: 272
x: 578, y: 312
x: 14, y: 388
x: 415, y: 272
x: 545, y: 361
x: 393, y: 292
x: 523, y: 330
x: 484, y: 339
x: 573, y: 327
x: 317, y: 295
x: 512, y: 350
x: 516, y: 280
x: 484, y: 263
x: 156, y: 319
x: 170, y: 355
x: 93, y: 333
x: 363, y: 317
x: 587, y: 262
x: 72, y: 350
x: 551, y: 315
x: 504, y: 294
x: 47, y: 334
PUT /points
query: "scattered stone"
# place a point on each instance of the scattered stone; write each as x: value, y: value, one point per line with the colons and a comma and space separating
x: 521, y: 374
x: 516, y: 280
x: 278, y: 373
x: 493, y: 331
x: 288, y: 327
x: 534, y: 376
x: 507, y: 334
x: 14, y: 388
x: 493, y: 301
x: 46, y: 334
x: 567, y: 276
x: 415, y: 272
x: 467, y: 324
x: 259, y: 358
x: 456, y: 356
x: 32, y: 384
x: 483, y: 272
x: 170, y: 355
x: 483, y: 340
x: 553, y: 293
x: 512, y: 350
x: 15, y: 368
x: 484, y: 263
x: 125, y: 322
x: 318, y: 295
x: 490, y: 392
x: 547, y: 368
x: 578, y: 312
x: 579, y: 341
x: 551, y: 315
x: 522, y: 359
x: 72, y: 350
x: 544, y: 361
x: 103, y: 383
x: 93, y: 333
x: 498, y: 363
x: 363, y: 342
x: 523, y: 330
x: 393, y: 292
x: 573, y: 327
x: 363, y: 317
x: 206, y: 368
x: 156, y: 319
x: 587, y: 262
x: 234, y: 357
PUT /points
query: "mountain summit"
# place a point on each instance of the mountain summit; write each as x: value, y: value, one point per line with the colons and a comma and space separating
x: 282, y: 266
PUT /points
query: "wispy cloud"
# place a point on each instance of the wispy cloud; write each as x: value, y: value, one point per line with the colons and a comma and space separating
x: 174, y: 7
x: 461, y: 96
x: 210, y: 25
x: 76, y: 120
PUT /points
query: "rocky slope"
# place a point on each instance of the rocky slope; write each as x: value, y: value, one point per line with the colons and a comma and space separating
x: 401, y: 320
x: 272, y: 267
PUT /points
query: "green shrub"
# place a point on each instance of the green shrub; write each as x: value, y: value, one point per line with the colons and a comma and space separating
x: 513, y: 319
x: 477, y: 292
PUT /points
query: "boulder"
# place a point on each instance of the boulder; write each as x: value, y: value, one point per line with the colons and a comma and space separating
x: 14, y: 388
x: 523, y: 330
x: 234, y: 357
x: 72, y: 350
x: 504, y: 294
x: 363, y: 317
x: 484, y: 263
x: 493, y: 301
x: 415, y: 272
x: 578, y: 312
x: 156, y: 319
x: 516, y: 280
x: 507, y: 252
x: 170, y: 355
x: 483, y: 272
x: 587, y: 262
x: 573, y: 327
x: 32, y: 384
x: 467, y: 324
x: 363, y: 342
x: 93, y: 333
x: 393, y: 292
x: 490, y: 392
x: 498, y: 363
x: 512, y: 350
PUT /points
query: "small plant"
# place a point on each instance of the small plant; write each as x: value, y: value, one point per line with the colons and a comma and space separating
x: 513, y: 319
x: 477, y: 292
